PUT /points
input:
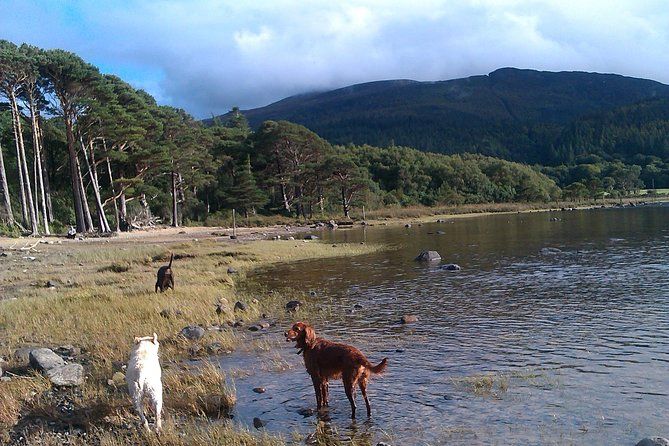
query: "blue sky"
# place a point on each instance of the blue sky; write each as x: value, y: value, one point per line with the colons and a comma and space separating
x: 209, y: 55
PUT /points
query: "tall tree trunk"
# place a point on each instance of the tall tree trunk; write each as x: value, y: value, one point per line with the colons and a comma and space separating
x: 6, y: 200
x: 123, y: 206
x: 75, y: 175
x: 23, y: 167
x: 111, y: 182
x: 39, y: 171
x: 286, y: 205
x: 344, y: 202
x: 175, y: 221
x: 22, y: 186
x: 45, y: 177
x: 93, y: 175
x: 88, y: 220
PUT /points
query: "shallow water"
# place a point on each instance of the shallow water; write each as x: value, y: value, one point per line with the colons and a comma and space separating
x: 575, y: 338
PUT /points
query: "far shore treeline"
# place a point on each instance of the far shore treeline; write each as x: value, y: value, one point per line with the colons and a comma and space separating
x: 82, y: 148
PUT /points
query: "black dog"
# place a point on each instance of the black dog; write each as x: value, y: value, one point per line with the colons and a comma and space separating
x: 165, y: 277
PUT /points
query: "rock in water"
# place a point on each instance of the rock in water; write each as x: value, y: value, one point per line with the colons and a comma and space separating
x: 192, y: 332
x: 67, y: 375
x: 259, y: 390
x: 428, y: 256
x: 409, y: 318
x: 653, y: 441
x: 451, y: 267
x: 258, y: 423
x: 44, y: 359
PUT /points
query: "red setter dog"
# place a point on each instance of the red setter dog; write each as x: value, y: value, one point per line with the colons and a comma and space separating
x: 327, y: 360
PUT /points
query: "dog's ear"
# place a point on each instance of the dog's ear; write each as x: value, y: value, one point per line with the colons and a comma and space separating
x: 155, y: 339
x: 309, y: 336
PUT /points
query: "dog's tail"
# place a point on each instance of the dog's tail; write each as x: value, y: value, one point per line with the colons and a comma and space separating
x: 378, y: 369
x: 171, y: 258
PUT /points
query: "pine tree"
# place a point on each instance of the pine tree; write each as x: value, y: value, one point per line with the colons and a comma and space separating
x: 245, y: 194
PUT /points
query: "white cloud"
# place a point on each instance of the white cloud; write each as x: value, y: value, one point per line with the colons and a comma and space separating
x: 208, y: 55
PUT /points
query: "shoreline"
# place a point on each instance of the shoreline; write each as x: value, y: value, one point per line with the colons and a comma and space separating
x: 162, y: 235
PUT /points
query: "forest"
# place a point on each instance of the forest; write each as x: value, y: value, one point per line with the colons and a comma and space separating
x: 85, y: 149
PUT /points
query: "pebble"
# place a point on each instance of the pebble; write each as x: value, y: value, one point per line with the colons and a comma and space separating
x: 259, y: 390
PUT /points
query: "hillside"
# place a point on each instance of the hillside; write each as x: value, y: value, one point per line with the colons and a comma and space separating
x: 511, y: 113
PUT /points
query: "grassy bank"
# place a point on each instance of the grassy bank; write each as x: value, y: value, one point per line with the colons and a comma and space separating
x: 102, y: 296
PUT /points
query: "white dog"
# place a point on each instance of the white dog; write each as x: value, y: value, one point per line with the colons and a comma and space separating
x: 143, y: 378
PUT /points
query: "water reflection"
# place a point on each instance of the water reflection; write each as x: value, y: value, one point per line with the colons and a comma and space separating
x: 574, y: 338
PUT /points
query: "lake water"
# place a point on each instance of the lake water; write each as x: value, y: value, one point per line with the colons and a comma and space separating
x: 523, y: 345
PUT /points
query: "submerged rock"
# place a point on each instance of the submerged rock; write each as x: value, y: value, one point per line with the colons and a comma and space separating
x: 653, y: 441
x: 44, y: 359
x: 428, y: 256
x: 69, y: 375
x: 409, y: 319
x: 258, y: 423
x: 550, y: 251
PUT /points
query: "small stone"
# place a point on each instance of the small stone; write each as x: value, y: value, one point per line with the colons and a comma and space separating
x: 308, y: 412
x: 428, y: 256
x: 239, y: 323
x: 451, y: 267
x: 311, y: 237
x: 4, y: 254
x: 44, y: 359
x: 231, y: 270
x: 241, y: 306
x: 263, y: 325
x: 259, y: 390
x: 50, y: 284
x: 22, y: 355
x: 118, y: 379
x: 192, y: 332
x: 440, y: 232
x: 214, y: 348
x: 293, y: 305
x: 408, y: 225
x: 409, y: 319
x: 166, y: 313
x: 357, y: 307
x: 258, y: 423
x: 68, y: 350
x: 312, y: 293
x: 195, y: 349
x: 67, y: 375
x: 291, y: 238
x: 254, y: 328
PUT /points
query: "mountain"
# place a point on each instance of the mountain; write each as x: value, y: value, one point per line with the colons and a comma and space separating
x: 510, y: 113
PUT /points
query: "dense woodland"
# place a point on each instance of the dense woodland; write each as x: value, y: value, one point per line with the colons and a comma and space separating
x: 82, y: 148
x: 581, y: 125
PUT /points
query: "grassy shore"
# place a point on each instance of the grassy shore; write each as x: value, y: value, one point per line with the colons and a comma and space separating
x: 101, y: 297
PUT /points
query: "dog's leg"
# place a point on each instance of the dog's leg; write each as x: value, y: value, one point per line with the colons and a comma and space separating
x: 349, y: 387
x: 363, y: 390
x: 137, y: 397
x: 158, y: 408
x: 317, y: 389
x: 326, y: 393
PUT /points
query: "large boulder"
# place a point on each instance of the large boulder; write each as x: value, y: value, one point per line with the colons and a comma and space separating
x: 192, y: 332
x: 69, y: 375
x: 428, y: 256
x: 653, y: 441
x: 44, y: 359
